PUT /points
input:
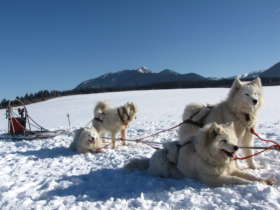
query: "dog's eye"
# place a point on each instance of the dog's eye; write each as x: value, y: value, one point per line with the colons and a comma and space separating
x: 246, y: 94
x: 224, y: 141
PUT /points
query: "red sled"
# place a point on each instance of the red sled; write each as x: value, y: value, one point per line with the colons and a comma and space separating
x: 17, y: 125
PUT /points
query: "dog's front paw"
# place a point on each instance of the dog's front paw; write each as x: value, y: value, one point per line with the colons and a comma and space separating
x: 252, y: 166
x: 270, y: 181
x: 255, y: 167
x: 99, y: 150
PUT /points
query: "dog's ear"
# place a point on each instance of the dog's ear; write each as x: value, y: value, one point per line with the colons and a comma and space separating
x: 257, y: 82
x: 132, y: 106
x: 236, y: 83
x: 230, y: 125
x: 214, y: 130
x: 78, y: 131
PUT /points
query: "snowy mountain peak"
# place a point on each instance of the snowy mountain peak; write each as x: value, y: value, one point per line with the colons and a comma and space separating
x: 141, y: 76
x: 251, y: 75
x: 143, y: 69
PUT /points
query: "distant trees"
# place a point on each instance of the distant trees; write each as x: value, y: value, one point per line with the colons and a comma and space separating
x: 45, y: 94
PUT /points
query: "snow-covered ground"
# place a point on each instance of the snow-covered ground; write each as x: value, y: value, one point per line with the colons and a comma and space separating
x: 45, y: 174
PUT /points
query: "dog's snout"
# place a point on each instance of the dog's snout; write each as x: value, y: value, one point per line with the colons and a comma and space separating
x: 235, y: 148
x: 255, y: 101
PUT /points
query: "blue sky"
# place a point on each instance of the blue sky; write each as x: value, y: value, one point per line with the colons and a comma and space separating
x: 56, y: 44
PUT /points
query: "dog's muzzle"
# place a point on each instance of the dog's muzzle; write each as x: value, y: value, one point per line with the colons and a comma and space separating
x: 231, y: 154
x: 255, y: 101
x: 91, y: 141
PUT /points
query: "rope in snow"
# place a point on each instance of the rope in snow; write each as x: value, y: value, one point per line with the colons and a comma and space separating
x: 274, y: 146
x: 149, y: 143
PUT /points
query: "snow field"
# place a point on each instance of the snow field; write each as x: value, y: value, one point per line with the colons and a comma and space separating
x: 45, y: 174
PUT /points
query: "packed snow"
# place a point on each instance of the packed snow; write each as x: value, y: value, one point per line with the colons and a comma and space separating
x: 46, y: 174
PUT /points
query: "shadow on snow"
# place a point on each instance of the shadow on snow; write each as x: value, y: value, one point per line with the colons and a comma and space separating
x: 104, y: 184
x: 49, y: 153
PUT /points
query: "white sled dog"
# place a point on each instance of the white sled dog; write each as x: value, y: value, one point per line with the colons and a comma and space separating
x: 240, y: 107
x: 86, y: 140
x: 207, y: 157
x: 113, y: 120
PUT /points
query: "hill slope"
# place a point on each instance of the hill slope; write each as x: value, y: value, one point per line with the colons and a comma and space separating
x: 134, y: 78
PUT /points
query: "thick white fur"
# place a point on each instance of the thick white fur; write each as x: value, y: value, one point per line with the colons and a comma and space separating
x: 86, y: 140
x: 203, y: 158
x: 111, y: 122
x: 236, y: 108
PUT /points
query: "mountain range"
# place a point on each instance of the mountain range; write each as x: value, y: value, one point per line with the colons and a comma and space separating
x: 143, y: 76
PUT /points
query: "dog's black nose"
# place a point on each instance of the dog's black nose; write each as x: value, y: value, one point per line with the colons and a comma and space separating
x: 255, y: 101
x: 235, y: 148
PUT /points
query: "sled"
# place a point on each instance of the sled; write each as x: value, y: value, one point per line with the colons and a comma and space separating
x: 21, y: 126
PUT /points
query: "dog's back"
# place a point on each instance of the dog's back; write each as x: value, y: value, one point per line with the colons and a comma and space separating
x: 108, y: 119
x: 196, y: 114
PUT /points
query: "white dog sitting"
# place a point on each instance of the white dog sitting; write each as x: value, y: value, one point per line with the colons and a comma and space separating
x: 86, y: 140
x: 241, y: 107
x: 113, y: 120
x: 207, y: 157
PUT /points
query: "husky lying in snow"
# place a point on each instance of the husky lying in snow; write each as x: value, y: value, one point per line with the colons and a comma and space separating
x: 207, y: 157
x: 86, y: 140
x: 240, y: 107
x: 113, y: 120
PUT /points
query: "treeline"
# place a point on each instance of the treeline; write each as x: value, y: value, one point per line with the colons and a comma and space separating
x: 46, y: 95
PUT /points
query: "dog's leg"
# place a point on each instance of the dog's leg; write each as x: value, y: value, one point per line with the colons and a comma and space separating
x: 102, y: 136
x: 217, y: 181
x: 113, y: 140
x: 99, y: 150
x: 123, y: 136
x: 247, y: 141
x: 250, y: 177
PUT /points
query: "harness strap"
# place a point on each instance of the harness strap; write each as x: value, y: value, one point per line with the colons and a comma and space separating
x: 190, y: 121
x: 198, y: 124
x: 120, y: 116
x: 126, y: 113
x: 178, y: 146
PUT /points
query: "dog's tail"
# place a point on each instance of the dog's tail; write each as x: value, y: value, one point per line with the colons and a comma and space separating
x: 195, y: 111
x: 141, y: 164
x: 100, y: 107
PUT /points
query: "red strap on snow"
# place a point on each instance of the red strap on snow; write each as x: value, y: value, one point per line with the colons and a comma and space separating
x: 141, y: 140
x: 252, y: 130
x: 274, y: 145
x: 155, y: 134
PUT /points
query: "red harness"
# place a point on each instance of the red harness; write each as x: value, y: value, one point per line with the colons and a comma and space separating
x: 274, y: 145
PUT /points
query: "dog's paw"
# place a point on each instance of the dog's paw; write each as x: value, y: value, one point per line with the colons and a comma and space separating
x: 258, y: 167
x: 255, y: 167
x: 251, y: 167
x: 270, y: 181
x: 99, y: 150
